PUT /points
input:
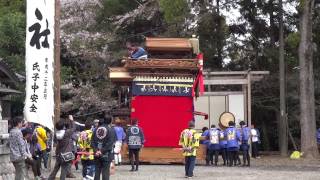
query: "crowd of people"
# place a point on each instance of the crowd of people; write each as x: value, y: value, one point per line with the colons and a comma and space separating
x: 30, y: 144
x: 96, y: 143
x: 228, y: 142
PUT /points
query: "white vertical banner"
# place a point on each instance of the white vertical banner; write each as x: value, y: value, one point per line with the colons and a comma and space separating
x: 39, y: 103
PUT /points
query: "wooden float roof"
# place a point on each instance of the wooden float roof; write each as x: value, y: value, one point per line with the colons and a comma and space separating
x: 187, y: 64
x: 120, y: 74
x: 160, y: 67
x: 168, y: 44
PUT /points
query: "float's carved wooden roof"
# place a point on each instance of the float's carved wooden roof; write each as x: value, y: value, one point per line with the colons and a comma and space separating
x: 188, y: 64
x: 168, y: 44
x: 120, y: 74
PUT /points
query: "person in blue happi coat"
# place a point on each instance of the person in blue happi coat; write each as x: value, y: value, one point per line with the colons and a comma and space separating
x: 205, y: 142
x: 245, y: 145
x: 213, y: 136
x: 233, y: 136
x: 223, y: 146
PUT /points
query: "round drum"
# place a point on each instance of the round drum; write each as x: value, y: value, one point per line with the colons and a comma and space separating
x: 225, y: 118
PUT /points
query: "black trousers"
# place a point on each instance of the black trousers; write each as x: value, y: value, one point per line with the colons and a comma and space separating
x: 207, y: 156
x: 102, y: 168
x: 190, y: 162
x: 245, y: 153
x: 255, y: 150
x: 214, y: 153
x: 232, y: 158
x: 44, y: 156
x: 134, y: 153
x: 224, y: 155
x: 35, y: 166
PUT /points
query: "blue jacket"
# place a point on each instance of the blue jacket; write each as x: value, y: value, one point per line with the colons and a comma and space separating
x: 103, y: 139
x: 223, y: 139
x: 213, y: 137
x: 205, y: 142
x: 120, y: 134
x: 233, y: 136
x: 135, y: 137
x: 140, y: 52
x: 245, y: 135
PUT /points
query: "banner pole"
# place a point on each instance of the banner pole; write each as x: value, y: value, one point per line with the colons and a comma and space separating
x: 57, y: 100
x: 56, y: 76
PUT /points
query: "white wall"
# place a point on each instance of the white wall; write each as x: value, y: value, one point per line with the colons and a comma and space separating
x: 236, y: 107
x: 214, y: 106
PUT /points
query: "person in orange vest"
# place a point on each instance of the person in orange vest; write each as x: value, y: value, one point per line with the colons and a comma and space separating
x: 87, y: 160
x: 190, y: 141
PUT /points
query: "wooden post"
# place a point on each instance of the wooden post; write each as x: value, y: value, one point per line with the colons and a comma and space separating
x: 57, y: 62
x: 249, y: 97
x: 56, y: 70
x: 249, y: 103
x: 244, y: 91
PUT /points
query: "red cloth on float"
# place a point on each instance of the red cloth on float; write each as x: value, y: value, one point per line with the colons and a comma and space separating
x: 162, y: 118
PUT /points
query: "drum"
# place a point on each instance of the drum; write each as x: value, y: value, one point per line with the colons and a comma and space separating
x: 225, y: 118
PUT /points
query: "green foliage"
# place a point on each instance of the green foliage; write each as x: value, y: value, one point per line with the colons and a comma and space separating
x: 66, y: 73
x: 11, y: 6
x: 112, y: 8
x: 118, y: 7
x: 293, y: 40
x: 213, y: 32
x: 12, y: 33
x: 174, y: 11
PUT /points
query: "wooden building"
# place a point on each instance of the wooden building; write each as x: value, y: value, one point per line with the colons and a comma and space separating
x: 227, y: 92
x: 8, y: 87
x: 8, y: 84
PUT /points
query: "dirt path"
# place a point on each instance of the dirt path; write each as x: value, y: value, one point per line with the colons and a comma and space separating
x: 266, y: 168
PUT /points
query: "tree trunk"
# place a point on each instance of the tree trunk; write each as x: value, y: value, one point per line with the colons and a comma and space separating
x: 307, y: 102
x: 283, y: 131
x: 272, y: 25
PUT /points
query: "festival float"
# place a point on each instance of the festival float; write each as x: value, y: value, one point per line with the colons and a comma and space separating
x: 160, y: 93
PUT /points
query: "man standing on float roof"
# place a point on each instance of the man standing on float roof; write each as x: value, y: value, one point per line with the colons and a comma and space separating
x: 190, y: 141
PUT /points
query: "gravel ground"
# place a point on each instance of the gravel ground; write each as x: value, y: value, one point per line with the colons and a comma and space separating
x: 266, y: 168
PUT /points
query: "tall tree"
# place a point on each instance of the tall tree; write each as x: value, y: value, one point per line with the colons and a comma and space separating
x: 175, y: 14
x: 12, y: 33
x: 307, y: 99
x: 283, y: 124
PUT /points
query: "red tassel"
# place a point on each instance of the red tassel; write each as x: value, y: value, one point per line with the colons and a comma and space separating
x: 194, y: 86
x: 200, y: 74
x: 201, y: 84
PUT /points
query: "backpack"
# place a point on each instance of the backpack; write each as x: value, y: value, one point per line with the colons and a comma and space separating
x: 214, y: 136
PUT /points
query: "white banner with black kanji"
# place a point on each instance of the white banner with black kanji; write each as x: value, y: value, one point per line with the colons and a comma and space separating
x: 39, y: 104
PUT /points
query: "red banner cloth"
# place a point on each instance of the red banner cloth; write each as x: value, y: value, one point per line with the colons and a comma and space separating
x: 199, y: 81
x: 162, y: 118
